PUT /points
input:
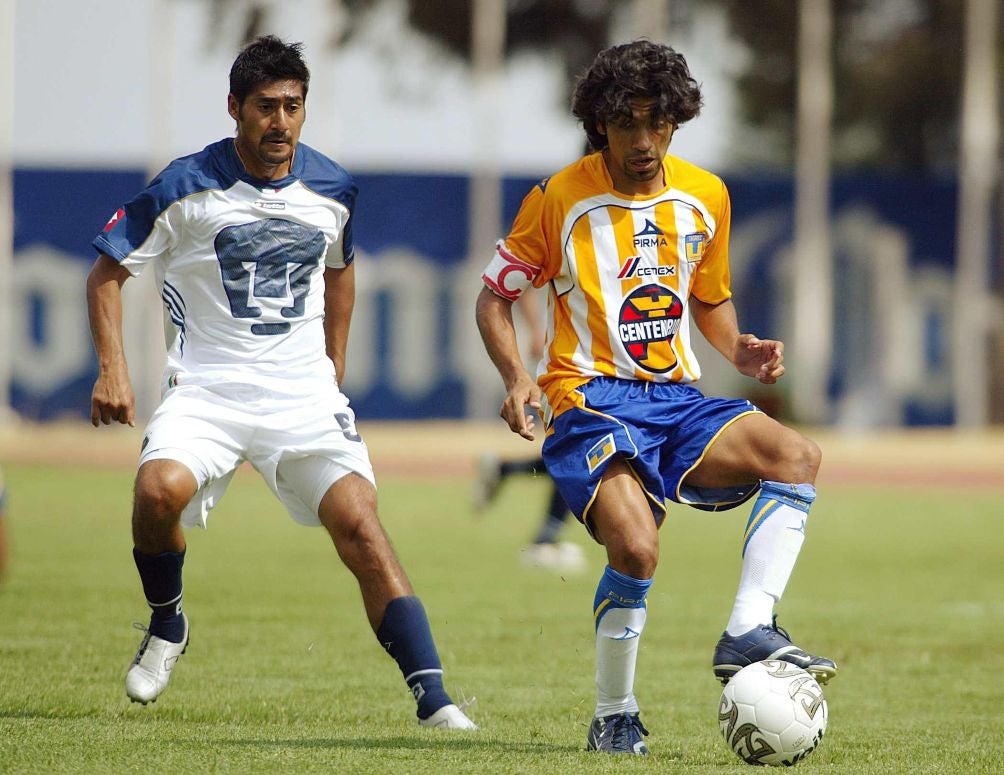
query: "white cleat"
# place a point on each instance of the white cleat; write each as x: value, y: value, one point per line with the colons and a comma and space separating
x: 563, y: 556
x: 448, y: 717
x: 151, y: 668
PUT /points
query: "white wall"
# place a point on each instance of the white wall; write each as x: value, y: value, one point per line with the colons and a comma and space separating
x: 137, y: 83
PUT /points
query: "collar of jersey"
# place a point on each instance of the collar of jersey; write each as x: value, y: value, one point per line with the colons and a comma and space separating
x: 667, y: 170
x: 237, y: 167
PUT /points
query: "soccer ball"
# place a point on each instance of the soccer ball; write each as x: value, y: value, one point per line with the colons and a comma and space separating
x: 772, y: 712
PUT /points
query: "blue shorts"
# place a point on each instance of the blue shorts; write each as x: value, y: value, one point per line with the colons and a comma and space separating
x: 662, y: 430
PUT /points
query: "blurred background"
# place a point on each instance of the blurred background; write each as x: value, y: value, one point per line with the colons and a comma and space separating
x: 860, y: 141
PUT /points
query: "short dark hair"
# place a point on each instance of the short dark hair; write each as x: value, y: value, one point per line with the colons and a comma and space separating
x: 265, y: 60
x: 640, y: 69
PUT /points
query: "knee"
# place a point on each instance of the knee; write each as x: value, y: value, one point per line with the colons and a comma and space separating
x: 161, y: 497
x: 812, y: 456
x: 634, y: 557
x: 803, y: 461
x: 356, y: 531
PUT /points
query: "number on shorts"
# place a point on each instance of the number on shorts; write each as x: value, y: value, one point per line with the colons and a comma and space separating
x: 348, y: 429
x: 281, y: 255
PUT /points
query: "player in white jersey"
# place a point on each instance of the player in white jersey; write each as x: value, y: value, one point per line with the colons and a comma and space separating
x: 251, y: 242
x: 632, y: 244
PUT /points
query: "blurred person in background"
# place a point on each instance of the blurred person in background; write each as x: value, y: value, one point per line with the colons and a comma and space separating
x: 251, y: 243
x: 632, y: 244
x: 547, y: 551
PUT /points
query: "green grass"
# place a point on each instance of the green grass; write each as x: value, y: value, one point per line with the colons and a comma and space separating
x: 904, y: 589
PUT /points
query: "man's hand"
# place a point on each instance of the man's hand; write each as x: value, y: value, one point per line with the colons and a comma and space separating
x: 112, y: 399
x: 762, y: 359
x: 523, y: 393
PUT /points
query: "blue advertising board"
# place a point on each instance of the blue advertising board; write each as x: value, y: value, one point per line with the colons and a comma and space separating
x: 412, y: 354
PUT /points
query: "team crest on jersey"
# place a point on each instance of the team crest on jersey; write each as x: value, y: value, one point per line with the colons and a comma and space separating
x: 694, y: 244
x: 649, y: 319
x: 114, y: 219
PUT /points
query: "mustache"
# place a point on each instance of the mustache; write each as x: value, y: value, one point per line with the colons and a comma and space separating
x: 280, y: 136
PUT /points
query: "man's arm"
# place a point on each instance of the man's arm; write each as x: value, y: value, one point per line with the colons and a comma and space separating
x: 494, y: 317
x: 339, y: 300
x: 762, y: 359
x: 528, y: 306
x: 112, y: 399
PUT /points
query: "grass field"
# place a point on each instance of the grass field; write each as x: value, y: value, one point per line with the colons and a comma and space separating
x: 902, y: 585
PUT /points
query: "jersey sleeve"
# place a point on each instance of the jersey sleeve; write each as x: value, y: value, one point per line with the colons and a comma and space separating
x: 329, y: 179
x: 713, y: 278
x: 141, y: 230
x: 341, y: 251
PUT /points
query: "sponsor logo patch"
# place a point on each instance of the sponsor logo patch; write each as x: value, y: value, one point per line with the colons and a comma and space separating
x: 650, y: 236
x: 649, y: 319
x: 633, y: 268
x: 628, y: 634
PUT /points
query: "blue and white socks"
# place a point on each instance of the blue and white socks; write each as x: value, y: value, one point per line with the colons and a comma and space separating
x: 773, y: 538
x: 405, y: 634
x: 619, y: 612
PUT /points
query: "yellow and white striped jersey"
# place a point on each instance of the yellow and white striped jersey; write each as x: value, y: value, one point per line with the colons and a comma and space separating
x: 620, y: 271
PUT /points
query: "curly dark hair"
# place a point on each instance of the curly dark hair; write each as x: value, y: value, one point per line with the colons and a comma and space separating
x: 640, y: 69
x: 265, y: 60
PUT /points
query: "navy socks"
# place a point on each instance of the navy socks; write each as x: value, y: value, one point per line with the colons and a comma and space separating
x: 405, y: 634
x: 161, y: 577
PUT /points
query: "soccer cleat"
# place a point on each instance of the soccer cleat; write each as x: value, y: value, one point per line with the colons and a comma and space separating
x: 448, y: 717
x: 561, y: 556
x: 151, y: 668
x: 768, y: 641
x: 620, y: 733
x: 487, y: 481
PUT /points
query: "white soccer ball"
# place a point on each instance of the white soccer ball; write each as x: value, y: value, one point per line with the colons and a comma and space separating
x: 772, y: 712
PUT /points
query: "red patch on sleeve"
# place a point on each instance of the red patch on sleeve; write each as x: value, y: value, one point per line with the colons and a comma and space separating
x: 114, y: 219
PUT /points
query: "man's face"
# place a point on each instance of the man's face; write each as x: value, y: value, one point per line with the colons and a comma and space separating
x: 268, y: 127
x: 636, y: 149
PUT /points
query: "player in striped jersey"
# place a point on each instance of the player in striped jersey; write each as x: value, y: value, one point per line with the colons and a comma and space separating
x: 632, y: 245
x: 251, y: 243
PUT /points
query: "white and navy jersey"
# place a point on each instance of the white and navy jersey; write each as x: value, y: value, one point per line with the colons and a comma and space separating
x: 239, y: 263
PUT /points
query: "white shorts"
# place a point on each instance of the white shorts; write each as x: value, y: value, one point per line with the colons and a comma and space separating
x: 300, y: 447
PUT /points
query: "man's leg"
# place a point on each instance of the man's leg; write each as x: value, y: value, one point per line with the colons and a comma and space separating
x: 554, y: 518
x: 348, y: 510
x: 621, y: 519
x: 757, y: 448
x: 163, y: 489
x: 491, y: 472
